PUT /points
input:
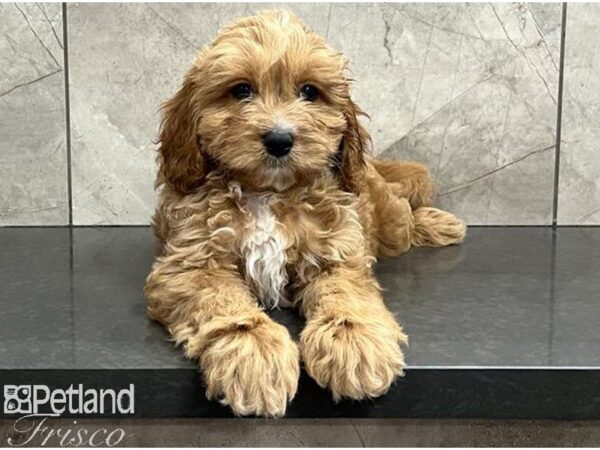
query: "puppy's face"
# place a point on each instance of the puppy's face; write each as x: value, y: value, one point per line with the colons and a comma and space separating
x: 268, y: 103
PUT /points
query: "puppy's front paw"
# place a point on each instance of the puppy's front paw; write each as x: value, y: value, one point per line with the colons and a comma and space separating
x: 250, y: 364
x: 437, y: 228
x: 355, y: 358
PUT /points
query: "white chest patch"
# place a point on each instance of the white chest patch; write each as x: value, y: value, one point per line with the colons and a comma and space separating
x: 263, y: 247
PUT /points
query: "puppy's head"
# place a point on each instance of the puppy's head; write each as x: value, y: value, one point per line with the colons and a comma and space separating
x: 268, y: 103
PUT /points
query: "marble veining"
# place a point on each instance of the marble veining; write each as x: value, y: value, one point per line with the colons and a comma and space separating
x: 484, y: 114
x: 470, y: 89
x: 33, y: 161
x: 579, y: 186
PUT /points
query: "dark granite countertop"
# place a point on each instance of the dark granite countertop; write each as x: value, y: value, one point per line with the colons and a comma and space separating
x: 504, y: 326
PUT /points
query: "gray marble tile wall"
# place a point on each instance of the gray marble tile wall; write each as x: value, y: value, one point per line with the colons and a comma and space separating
x: 579, y: 186
x: 470, y: 89
x: 33, y: 152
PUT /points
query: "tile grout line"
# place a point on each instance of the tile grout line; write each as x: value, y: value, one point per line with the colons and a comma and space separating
x: 552, y: 293
x: 69, y: 178
x: 67, y: 111
x: 561, y: 71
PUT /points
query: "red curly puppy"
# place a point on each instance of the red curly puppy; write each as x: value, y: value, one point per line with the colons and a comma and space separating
x: 269, y: 198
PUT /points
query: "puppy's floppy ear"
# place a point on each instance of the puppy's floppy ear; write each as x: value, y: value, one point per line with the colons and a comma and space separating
x: 351, y: 153
x: 182, y: 164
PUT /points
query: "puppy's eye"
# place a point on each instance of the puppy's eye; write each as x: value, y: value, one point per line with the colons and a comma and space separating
x: 309, y: 93
x: 242, y: 91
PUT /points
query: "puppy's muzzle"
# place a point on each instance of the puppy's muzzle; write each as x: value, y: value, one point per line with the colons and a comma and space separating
x: 278, y: 142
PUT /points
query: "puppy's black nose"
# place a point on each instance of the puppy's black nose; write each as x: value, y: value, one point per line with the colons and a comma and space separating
x: 278, y: 142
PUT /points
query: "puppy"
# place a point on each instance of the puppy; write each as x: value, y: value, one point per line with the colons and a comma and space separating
x: 269, y: 198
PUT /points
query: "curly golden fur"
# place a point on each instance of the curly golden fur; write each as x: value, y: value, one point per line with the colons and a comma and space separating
x: 235, y: 222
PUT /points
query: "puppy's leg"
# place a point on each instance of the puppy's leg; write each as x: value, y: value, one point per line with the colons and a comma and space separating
x: 407, y: 179
x: 394, y: 223
x: 397, y: 225
x: 249, y: 361
x: 437, y: 228
x: 351, y: 342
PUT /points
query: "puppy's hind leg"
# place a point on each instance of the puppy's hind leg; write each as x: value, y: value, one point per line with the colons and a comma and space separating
x: 408, y: 179
x: 398, y: 226
x: 436, y: 228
